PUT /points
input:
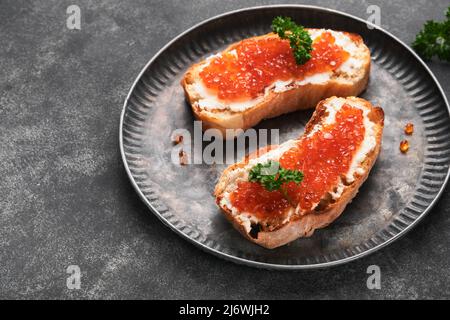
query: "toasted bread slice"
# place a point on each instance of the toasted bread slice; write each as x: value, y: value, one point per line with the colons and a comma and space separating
x: 350, y: 79
x: 272, y: 232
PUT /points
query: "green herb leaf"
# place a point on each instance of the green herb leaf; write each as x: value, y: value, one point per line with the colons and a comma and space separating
x: 272, y: 177
x: 434, y: 40
x: 299, y: 38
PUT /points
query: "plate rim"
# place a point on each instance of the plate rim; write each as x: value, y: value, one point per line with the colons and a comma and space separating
x: 259, y: 264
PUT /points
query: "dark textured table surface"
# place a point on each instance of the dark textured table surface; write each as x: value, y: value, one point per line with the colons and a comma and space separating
x: 65, y: 197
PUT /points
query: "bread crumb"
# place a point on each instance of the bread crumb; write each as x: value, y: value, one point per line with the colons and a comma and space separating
x: 177, y: 139
x: 183, y: 158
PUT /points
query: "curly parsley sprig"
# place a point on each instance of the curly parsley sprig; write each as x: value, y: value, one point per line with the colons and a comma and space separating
x: 434, y: 40
x: 299, y: 38
x: 272, y: 177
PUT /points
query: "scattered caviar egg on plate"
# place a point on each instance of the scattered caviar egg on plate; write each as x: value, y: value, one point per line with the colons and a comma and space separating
x: 409, y: 128
x: 404, y: 146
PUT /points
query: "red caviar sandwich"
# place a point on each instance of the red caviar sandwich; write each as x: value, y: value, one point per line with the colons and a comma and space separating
x: 262, y: 77
x: 284, y: 192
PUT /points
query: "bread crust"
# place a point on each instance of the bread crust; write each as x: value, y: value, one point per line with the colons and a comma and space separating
x: 277, y: 103
x: 304, y: 225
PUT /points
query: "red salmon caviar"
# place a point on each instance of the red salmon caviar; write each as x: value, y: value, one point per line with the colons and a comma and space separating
x: 404, y: 146
x: 409, y: 129
x: 252, y: 197
x: 322, y: 157
x: 257, y: 63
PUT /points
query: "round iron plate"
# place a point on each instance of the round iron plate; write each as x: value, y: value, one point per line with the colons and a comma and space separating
x: 400, y: 190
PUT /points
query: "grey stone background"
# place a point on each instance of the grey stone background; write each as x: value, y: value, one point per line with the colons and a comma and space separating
x: 64, y: 195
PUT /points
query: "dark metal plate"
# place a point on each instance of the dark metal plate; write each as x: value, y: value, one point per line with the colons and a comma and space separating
x: 400, y: 190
